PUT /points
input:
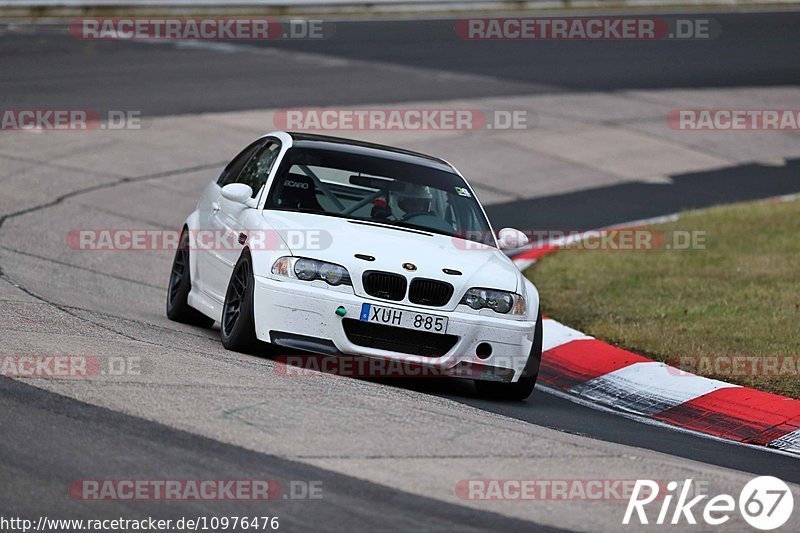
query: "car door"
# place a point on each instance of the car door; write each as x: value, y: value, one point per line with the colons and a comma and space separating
x: 209, y: 202
x: 226, y: 219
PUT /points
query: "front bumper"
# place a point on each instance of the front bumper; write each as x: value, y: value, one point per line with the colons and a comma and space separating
x: 302, y: 315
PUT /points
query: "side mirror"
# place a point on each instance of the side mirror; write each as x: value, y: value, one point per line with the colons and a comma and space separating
x: 509, y: 238
x: 237, y: 192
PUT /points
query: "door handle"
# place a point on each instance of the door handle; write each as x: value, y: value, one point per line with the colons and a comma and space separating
x: 215, y: 207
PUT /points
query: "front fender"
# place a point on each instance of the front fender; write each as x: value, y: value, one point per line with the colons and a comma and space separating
x: 531, y: 299
x: 266, y: 248
x: 192, y: 223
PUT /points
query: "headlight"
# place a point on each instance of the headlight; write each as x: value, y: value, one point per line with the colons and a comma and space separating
x: 310, y: 269
x: 333, y: 274
x: 306, y: 269
x: 498, y: 301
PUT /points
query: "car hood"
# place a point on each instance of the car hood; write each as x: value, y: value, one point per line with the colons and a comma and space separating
x: 339, y: 240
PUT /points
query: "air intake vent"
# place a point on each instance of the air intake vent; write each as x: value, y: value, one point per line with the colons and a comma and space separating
x: 405, y: 341
x: 430, y: 292
x: 384, y: 285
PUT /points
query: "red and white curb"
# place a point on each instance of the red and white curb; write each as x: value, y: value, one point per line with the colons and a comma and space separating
x: 601, y: 374
x: 583, y: 366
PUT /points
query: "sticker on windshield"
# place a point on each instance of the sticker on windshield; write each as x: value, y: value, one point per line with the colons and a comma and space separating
x: 462, y: 191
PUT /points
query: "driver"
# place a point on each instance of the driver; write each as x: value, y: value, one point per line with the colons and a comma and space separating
x: 415, y: 200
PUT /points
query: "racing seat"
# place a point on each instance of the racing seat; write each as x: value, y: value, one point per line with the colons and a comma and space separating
x: 299, y: 192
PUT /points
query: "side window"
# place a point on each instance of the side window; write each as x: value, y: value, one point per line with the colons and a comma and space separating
x: 233, y: 169
x: 257, y: 169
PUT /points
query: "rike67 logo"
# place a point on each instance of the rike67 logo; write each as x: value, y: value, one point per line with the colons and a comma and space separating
x: 765, y: 503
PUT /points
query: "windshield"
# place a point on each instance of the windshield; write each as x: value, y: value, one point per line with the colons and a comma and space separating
x: 363, y: 187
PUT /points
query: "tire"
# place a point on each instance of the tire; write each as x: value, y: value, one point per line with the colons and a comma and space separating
x: 238, y: 327
x: 522, y: 388
x: 180, y: 283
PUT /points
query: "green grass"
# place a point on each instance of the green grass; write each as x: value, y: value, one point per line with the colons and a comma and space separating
x: 740, y: 295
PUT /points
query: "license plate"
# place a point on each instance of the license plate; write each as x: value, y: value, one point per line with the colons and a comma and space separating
x: 389, y: 316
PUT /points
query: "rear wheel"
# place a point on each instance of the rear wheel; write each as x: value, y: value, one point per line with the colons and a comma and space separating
x: 524, y: 386
x: 238, y: 328
x: 180, y: 283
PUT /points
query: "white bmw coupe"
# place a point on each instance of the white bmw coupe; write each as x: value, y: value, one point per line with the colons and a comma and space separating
x: 335, y: 247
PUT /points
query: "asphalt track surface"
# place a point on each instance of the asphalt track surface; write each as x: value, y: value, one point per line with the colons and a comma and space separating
x: 639, y: 201
x: 88, y: 436
x: 49, y: 440
x: 754, y: 49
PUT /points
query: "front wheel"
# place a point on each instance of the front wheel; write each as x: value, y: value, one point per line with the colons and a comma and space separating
x: 238, y: 328
x: 522, y: 388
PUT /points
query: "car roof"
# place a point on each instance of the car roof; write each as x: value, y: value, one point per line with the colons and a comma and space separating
x: 340, y: 144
